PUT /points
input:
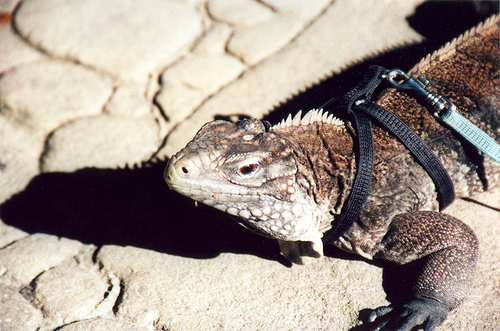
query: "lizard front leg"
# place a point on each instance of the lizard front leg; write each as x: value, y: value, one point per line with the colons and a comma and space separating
x: 442, y: 252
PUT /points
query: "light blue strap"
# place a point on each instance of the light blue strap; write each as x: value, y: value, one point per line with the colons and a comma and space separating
x: 446, y: 111
x: 472, y: 133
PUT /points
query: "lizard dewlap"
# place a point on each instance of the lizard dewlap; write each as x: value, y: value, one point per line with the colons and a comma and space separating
x: 290, y: 181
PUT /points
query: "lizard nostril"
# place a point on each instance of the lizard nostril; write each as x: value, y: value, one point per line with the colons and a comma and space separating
x: 183, y: 168
x: 186, y: 170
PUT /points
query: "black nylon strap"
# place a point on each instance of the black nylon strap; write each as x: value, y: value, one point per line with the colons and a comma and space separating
x: 364, y: 173
x: 357, y: 104
x: 364, y: 165
x: 417, y: 147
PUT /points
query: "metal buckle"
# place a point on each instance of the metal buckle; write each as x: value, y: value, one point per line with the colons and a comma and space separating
x: 400, y: 80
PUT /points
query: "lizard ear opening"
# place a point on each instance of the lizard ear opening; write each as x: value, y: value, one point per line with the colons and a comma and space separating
x: 267, y: 125
x: 252, y: 125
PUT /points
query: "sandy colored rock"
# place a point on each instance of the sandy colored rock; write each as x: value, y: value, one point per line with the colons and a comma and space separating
x: 104, y: 324
x: 16, y: 313
x: 134, y: 38
x: 70, y: 292
x: 204, y: 72
x: 28, y: 257
x: 9, y: 234
x: 8, y: 5
x: 20, y: 150
x: 192, y: 80
x: 304, y: 9
x: 236, y: 291
x: 215, y: 39
x: 102, y: 141
x: 177, y: 101
x: 239, y: 12
x: 14, y: 50
x: 253, y: 44
x: 127, y: 101
x: 47, y: 94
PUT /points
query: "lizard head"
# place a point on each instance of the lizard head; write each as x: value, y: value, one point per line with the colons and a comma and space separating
x: 245, y: 170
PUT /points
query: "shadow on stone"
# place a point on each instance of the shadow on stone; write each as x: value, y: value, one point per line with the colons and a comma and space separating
x: 129, y: 208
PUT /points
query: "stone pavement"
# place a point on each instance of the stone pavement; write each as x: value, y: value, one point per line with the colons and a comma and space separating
x: 109, y: 84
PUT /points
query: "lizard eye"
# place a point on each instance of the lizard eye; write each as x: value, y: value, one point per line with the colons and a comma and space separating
x: 248, y: 169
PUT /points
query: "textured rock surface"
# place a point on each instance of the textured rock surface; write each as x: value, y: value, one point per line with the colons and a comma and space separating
x: 98, y: 150
x: 127, y: 39
x: 114, y: 83
x: 25, y: 259
x: 44, y: 95
x: 16, y: 312
x: 20, y: 153
x: 14, y: 50
x: 55, y: 290
x: 9, y: 234
x: 153, y: 54
x: 205, y: 294
x: 102, y: 324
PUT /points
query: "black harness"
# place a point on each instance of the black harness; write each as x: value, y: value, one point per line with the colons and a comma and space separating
x: 359, y: 106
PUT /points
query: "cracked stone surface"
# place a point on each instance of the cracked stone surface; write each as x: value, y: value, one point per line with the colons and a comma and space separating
x: 19, y: 157
x: 132, y: 39
x: 17, y: 312
x: 25, y: 259
x: 107, y: 324
x: 14, y: 50
x: 58, y: 92
x: 9, y: 234
x: 54, y: 292
x: 88, y: 84
x: 95, y: 149
x: 290, y: 295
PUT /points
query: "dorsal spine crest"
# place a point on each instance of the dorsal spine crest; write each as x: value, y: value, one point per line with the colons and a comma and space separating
x: 453, y: 44
x: 313, y: 116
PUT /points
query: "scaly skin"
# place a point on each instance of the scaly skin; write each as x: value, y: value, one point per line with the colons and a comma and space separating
x: 290, y: 181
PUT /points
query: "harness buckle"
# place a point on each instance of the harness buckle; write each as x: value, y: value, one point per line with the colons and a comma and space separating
x: 400, y: 80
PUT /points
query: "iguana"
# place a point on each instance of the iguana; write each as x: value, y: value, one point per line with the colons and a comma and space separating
x: 290, y: 181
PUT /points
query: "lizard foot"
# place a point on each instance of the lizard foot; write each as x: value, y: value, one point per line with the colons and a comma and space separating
x: 301, y: 252
x: 427, y: 313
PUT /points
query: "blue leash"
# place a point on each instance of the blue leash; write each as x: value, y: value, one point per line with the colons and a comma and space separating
x: 447, y: 112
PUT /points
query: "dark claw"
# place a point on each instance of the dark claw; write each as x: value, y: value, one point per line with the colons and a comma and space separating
x: 426, y: 313
x: 379, y: 312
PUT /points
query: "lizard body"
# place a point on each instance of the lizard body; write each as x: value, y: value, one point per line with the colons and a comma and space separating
x: 289, y: 181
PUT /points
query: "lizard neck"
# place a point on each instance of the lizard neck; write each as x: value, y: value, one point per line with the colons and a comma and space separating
x: 326, y: 165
